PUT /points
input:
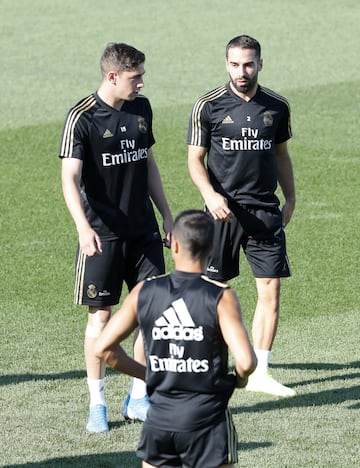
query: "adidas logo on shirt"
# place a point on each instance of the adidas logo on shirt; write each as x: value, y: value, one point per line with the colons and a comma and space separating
x: 107, y: 134
x: 176, y: 324
x: 227, y: 120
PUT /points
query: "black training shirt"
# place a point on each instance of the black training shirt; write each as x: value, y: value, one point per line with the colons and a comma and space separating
x: 113, y: 146
x: 240, y: 138
x: 187, y: 359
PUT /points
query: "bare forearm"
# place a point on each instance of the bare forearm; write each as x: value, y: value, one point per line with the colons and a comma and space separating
x: 242, y: 376
x: 286, y: 180
x: 157, y: 194
x: 70, y: 179
x: 285, y: 172
x: 216, y: 203
x: 241, y: 382
x: 236, y: 336
x: 243, y: 371
x: 156, y: 189
x: 200, y: 177
x: 89, y: 241
x: 120, y: 361
x: 74, y: 205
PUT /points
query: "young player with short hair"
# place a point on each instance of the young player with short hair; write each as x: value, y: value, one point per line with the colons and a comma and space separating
x: 188, y: 322
x: 109, y: 180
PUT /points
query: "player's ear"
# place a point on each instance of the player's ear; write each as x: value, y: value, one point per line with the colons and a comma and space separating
x: 260, y: 64
x: 174, y: 245
x: 111, y: 76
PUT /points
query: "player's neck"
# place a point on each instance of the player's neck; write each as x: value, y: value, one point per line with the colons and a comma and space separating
x: 245, y: 96
x: 189, y: 266
x: 109, y: 99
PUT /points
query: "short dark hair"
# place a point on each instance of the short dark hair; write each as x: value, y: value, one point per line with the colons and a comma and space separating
x: 120, y: 57
x: 194, y: 229
x: 244, y: 42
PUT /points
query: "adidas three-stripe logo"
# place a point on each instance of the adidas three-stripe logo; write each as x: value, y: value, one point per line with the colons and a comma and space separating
x: 176, y: 315
x: 176, y: 323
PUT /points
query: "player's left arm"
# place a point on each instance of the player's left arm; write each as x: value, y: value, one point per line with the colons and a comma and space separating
x: 236, y: 336
x: 286, y: 180
x: 157, y: 193
x: 120, y: 326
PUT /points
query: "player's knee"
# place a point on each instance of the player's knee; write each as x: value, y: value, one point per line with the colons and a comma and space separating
x: 96, y: 323
x: 94, y: 331
x: 97, y: 314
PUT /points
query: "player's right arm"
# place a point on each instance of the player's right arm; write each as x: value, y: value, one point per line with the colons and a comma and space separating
x: 108, y: 346
x: 216, y: 203
x: 236, y: 336
x: 89, y: 241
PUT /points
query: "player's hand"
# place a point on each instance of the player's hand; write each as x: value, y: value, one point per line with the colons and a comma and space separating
x: 168, y: 227
x: 219, y: 208
x: 287, y: 211
x: 90, y: 243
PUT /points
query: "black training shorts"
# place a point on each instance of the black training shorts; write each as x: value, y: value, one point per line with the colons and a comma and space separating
x: 260, y: 234
x: 205, y: 448
x: 99, y: 279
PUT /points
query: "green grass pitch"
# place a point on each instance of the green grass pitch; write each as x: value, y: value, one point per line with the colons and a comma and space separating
x: 49, y: 59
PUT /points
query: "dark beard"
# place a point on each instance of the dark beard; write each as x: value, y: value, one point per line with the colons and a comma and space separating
x: 250, y: 85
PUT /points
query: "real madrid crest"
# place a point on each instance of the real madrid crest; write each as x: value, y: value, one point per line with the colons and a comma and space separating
x: 91, y: 291
x: 142, y: 124
x: 268, y: 119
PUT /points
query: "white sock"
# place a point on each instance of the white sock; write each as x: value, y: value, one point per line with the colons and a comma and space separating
x: 138, y: 388
x: 96, y: 389
x: 263, y: 357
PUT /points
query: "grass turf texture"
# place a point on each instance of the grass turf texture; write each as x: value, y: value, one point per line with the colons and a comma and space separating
x: 50, y: 53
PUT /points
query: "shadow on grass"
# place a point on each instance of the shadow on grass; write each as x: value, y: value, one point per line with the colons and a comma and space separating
x: 320, y: 398
x: 331, y: 396
x: 20, y: 378
x: 323, y: 398
x: 107, y: 460
x: 318, y: 366
x: 242, y: 446
x: 325, y: 367
x: 110, y: 460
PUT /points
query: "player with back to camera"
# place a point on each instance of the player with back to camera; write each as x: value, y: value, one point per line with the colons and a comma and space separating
x: 109, y: 177
x: 188, y: 322
x: 243, y: 128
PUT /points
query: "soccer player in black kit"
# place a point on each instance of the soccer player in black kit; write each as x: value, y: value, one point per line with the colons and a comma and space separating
x: 188, y: 322
x: 242, y: 129
x: 109, y: 177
